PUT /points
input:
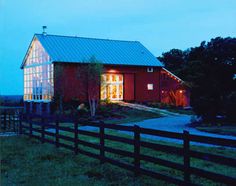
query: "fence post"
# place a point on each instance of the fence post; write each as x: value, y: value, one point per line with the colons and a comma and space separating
x: 5, y: 121
x: 186, y: 157
x: 9, y: 121
x: 102, y: 141
x: 76, y: 137
x: 20, y: 123
x: 14, y: 122
x: 30, y: 126
x: 1, y: 118
x: 42, y: 130
x: 137, y: 149
x: 57, y: 133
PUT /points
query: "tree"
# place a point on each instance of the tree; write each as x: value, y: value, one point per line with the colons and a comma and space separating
x: 90, y: 73
x: 212, y: 88
x: 173, y: 60
x: 209, y: 70
x: 95, y: 69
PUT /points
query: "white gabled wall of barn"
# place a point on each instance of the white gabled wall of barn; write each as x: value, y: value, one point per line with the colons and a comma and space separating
x: 38, y: 77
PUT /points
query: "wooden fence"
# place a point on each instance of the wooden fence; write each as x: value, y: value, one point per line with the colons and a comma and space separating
x: 9, y: 122
x: 43, y: 126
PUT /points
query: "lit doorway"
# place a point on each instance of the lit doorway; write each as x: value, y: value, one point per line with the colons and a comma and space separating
x: 112, y: 87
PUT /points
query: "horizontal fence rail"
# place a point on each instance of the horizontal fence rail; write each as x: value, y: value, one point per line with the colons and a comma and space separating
x: 49, y: 129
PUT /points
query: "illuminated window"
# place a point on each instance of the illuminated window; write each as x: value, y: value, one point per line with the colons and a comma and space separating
x: 150, y: 86
x: 112, y: 87
x: 38, y: 74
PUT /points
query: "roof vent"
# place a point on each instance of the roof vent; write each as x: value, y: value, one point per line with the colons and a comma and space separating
x: 44, y: 30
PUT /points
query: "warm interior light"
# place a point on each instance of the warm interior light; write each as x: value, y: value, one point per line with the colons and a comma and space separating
x: 112, y: 71
x: 112, y: 87
x: 181, y: 91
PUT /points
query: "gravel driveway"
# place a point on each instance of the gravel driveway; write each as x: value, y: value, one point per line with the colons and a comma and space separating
x: 171, y: 124
x: 174, y: 124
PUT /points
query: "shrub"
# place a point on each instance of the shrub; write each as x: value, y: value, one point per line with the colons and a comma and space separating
x: 229, y: 107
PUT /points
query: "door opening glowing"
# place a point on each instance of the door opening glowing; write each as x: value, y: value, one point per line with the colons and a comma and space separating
x: 112, y: 87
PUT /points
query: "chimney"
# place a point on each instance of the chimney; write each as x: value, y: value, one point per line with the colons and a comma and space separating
x: 44, y: 30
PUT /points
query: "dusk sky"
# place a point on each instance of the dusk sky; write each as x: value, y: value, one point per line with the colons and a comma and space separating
x: 160, y: 25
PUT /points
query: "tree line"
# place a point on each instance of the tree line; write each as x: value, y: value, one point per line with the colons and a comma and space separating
x: 209, y: 70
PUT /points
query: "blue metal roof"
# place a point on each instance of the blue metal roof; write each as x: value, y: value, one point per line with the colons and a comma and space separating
x: 115, y: 52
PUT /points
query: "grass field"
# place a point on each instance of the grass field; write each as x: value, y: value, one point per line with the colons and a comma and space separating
x: 115, y: 114
x: 26, y: 161
x: 225, y: 130
x: 132, y: 115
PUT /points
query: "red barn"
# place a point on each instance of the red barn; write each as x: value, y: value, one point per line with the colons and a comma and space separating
x: 52, y: 66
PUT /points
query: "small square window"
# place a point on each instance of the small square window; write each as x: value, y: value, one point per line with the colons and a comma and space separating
x: 150, y: 86
x: 149, y: 69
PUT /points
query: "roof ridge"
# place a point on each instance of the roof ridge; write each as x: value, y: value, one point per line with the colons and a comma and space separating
x: 86, y: 38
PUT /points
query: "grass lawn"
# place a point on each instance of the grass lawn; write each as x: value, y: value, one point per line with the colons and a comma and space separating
x: 125, y: 115
x: 26, y: 161
x: 229, y: 130
x: 131, y: 115
x: 114, y: 113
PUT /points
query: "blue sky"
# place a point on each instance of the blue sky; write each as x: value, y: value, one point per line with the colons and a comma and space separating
x: 159, y: 24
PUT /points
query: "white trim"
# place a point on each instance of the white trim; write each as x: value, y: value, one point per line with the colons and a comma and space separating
x: 172, y: 74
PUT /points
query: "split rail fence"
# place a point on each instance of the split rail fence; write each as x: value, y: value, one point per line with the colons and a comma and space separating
x: 9, y: 122
x: 50, y: 130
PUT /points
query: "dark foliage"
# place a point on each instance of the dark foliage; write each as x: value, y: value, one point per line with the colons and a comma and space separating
x: 173, y: 60
x: 209, y: 70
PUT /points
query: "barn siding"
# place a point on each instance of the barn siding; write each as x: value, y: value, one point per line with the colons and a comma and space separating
x: 71, y: 81
x: 129, y: 80
x: 172, y: 87
x: 141, y: 79
x: 73, y: 86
